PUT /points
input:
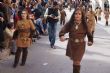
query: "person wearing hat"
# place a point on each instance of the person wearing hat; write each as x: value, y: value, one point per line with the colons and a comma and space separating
x: 2, y: 28
x: 52, y: 15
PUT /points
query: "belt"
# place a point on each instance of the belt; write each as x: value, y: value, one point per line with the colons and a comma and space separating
x: 24, y: 40
x: 77, y: 40
x: 20, y: 36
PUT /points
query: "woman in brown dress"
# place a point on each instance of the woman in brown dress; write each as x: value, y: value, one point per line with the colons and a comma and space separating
x: 24, y: 28
x: 77, y: 29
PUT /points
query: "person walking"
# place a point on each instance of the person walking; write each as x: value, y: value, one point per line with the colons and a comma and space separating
x: 52, y: 15
x: 106, y: 13
x: 77, y: 29
x: 98, y: 13
x: 22, y: 34
x: 91, y: 17
x: 63, y: 17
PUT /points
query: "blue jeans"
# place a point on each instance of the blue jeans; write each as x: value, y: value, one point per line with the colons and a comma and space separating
x: 52, y: 32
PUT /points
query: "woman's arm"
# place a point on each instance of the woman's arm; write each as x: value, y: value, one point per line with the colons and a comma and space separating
x: 63, y: 31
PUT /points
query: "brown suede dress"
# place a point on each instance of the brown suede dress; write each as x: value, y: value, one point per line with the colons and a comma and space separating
x: 76, y: 43
x: 24, y: 27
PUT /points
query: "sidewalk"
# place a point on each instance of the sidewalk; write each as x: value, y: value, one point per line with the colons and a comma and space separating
x: 102, y: 23
x: 4, y: 54
x: 43, y: 59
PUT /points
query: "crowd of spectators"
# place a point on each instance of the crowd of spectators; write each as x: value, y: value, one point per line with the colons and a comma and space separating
x: 10, y: 11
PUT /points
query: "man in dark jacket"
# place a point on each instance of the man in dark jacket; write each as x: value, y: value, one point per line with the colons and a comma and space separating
x: 53, y: 15
x: 2, y: 28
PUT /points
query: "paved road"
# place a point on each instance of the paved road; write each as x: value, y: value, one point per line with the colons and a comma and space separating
x: 43, y: 59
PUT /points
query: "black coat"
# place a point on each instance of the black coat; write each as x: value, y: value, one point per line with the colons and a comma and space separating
x: 2, y: 28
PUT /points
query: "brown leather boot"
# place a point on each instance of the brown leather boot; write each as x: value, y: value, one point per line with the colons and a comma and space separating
x: 76, y: 68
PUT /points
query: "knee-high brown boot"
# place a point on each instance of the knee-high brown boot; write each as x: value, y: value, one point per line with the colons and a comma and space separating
x: 76, y: 68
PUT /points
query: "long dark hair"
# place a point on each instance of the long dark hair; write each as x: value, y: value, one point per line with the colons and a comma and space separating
x: 83, y: 19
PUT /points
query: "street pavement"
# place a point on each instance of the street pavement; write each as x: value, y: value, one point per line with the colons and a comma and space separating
x: 43, y: 59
